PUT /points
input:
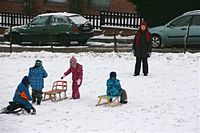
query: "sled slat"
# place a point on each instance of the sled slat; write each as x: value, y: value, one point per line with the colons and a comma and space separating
x: 59, y: 88
x: 107, y: 100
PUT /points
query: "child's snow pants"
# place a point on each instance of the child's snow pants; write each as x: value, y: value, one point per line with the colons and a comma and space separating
x: 75, y: 90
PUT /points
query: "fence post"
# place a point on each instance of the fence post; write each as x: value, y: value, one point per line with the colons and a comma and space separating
x: 50, y: 39
x: 11, y: 34
x: 186, y: 38
x: 11, y: 39
x: 115, y: 41
x: 102, y: 18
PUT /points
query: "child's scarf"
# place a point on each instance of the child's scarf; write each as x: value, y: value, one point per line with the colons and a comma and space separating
x: 138, y: 37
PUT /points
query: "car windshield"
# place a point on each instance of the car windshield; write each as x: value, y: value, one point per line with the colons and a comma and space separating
x: 78, y: 19
x: 40, y: 20
x: 182, y: 21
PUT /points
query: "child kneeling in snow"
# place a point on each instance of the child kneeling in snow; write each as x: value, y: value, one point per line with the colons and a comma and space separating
x: 21, y: 98
x: 114, y: 88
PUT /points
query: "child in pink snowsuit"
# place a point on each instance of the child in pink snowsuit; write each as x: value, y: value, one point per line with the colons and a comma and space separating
x: 77, y: 76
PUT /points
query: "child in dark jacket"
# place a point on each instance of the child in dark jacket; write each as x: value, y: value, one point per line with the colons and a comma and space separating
x: 37, y: 75
x: 21, y: 98
x: 142, y: 47
x: 114, y: 88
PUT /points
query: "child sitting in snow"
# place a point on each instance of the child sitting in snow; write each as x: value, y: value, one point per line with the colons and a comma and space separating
x: 114, y: 88
x: 21, y: 98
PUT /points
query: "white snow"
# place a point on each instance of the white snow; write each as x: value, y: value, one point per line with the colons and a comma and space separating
x: 58, y: 14
x: 119, y: 27
x: 166, y: 101
x: 111, y: 37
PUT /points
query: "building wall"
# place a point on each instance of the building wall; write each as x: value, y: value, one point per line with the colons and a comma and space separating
x: 40, y: 7
x: 85, y: 7
x: 115, y: 6
x: 10, y: 6
x: 122, y: 6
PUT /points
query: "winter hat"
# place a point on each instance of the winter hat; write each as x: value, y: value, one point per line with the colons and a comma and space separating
x: 143, y: 23
x: 73, y: 60
x: 26, y: 81
x: 38, y: 63
x: 113, y: 75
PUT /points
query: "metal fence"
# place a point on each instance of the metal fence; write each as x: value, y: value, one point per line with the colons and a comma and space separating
x: 14, y: 19
x: 131, y: 20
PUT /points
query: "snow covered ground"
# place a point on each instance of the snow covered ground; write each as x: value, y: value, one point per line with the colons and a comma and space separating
x: 166, y: 101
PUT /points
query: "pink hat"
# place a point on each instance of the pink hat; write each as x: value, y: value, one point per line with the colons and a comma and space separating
x: 73, y: 59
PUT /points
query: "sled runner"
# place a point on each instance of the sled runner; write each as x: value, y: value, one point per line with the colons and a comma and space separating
x: 57, y: 93
x: 16, y: 108
x: 17, y: 111
x: 13, y: 107
x: 108, y: 101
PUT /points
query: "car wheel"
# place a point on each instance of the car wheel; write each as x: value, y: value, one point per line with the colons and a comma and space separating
x: 15, y: 39
x: 156, y: 41
x: 82, y: 42
x: 63, y: 40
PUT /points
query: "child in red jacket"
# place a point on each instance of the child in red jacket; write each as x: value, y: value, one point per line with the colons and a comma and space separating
x: 77, y: 77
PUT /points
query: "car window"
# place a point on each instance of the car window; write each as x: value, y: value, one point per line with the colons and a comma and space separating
x: 77, y: 19
x: 40, y: 20
x: 59, y: 20
x: 196, y: 20
x: 182, y: 21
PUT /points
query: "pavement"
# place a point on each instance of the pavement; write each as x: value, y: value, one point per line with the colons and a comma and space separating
x: 110, y: 39
x: 95, y: 44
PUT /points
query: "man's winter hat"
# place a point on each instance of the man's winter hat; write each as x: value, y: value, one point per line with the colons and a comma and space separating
x: 26, y: 80
x: 73, y: 59
x: 113, y: 75
x: 38, y: 63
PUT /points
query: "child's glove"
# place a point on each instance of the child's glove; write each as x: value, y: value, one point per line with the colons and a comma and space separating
x: 62, y: 77
x: 33, y: 111
x: 78, y: 82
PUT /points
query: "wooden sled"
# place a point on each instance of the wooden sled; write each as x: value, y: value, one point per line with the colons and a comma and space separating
x: 114, y: 102
x: 57, y: 93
